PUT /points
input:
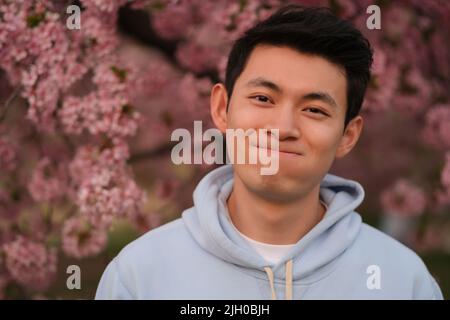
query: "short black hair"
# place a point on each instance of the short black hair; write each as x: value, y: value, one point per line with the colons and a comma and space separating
x: 310, y: 30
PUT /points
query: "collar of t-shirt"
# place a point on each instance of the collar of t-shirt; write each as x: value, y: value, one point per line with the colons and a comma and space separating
x: 270, y: 252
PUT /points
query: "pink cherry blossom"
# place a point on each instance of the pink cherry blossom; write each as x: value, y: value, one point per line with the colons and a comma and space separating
x: 81, y: 239
x: 174, y: 21
x: 30, y: 263
x: 414, y: 95
x: 437, y: 127
x: 403, y: 198
x: 383, y: 85
x: 104, y: 5
x: 49, y: 181
x: 107, y: 194
x: 194, y: 93
x: 196, y: 57
x: 109, y: 153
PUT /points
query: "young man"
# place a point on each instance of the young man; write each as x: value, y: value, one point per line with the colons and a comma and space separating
x: 294, y: 234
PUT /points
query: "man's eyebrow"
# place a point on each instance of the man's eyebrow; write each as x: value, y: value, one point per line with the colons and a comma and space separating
x: 322, y: 96
x: 262, y: 82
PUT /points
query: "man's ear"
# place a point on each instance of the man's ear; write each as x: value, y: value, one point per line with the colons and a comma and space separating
x: 350, y: 137
x: 218, y: 106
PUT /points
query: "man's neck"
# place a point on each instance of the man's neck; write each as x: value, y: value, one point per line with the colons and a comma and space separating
x: 273, y: 222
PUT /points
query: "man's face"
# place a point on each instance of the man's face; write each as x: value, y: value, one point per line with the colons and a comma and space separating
x: 307, y: 103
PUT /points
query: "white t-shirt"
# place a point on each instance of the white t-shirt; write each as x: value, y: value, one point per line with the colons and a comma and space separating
x: 270, y: 252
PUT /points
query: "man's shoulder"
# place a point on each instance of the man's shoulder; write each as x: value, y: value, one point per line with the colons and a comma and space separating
x: 155, y: 243
x: 143, y: 259
x: 398, y: 271
x: 376, y: 243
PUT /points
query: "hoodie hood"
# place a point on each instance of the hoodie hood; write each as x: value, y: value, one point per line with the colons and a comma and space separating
x: 310, y: 259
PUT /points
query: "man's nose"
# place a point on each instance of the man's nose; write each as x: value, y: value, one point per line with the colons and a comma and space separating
x: 284, y: 120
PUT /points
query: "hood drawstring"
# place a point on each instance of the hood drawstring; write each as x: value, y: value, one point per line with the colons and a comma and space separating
x: 288, y: 295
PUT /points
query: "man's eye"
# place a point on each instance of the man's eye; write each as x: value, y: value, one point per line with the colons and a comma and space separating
x: 315, y: 110
x: 264, y: 98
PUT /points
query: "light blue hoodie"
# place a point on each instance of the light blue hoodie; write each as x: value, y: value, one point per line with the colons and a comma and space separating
x: 201, y: 256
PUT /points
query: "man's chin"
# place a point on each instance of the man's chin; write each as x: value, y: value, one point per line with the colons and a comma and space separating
x: 282, y: 167
x: 278, y: 186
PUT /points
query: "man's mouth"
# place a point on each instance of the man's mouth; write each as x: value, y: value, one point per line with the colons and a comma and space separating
x: 290, y: 153
x: 281, y: 151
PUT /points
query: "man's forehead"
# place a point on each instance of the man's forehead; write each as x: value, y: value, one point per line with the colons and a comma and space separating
x: 285, y: 62
x: 291, y: 70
